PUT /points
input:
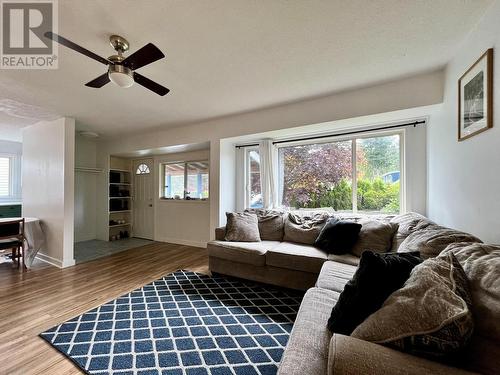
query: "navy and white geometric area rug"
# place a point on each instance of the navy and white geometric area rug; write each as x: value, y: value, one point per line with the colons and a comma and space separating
x: 184, y: 323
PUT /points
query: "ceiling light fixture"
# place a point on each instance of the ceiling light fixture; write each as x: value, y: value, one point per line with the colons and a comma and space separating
x: 121, y: 75
x: 89, y: 134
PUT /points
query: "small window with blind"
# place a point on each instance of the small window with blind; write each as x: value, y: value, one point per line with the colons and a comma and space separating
x: 5, y: 177
x: 185, y: 180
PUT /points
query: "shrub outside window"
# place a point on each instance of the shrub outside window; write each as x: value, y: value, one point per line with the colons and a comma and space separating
x: 358, y: 174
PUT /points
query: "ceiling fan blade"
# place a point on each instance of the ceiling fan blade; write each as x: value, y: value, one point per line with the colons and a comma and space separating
x: 151, y: 85
x: 144, y: 56
x: 99, y: 81
x: 75, y: 47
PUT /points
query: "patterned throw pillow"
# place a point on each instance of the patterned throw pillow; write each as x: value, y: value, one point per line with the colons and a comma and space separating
x: 242, y: 227
x: 430, y: 316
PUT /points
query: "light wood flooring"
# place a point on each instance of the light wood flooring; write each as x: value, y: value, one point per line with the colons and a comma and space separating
x: 45, y: 296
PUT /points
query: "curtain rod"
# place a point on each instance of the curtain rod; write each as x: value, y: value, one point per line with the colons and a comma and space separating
x: 414, y: 124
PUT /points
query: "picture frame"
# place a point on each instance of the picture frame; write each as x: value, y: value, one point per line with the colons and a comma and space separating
x: 475, y: 98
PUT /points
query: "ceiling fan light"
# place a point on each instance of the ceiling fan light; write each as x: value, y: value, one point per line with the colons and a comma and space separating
x: 120, y: 76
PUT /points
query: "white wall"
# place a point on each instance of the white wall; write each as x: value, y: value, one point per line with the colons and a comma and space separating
x: 48, y: 185
x: 16, y: 149
x: 463, y: 189
x: 417, y: 91
x: 85, y: 190
x: 181, y: 222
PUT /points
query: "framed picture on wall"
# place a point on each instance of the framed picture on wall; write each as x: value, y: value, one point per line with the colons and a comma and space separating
x: 475, y: 97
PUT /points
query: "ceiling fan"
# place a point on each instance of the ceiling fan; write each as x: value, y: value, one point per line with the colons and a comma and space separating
x: 121, y: 70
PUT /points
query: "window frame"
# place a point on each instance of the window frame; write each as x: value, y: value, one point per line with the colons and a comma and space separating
x: 14, y: 176
x: 368, y: 134
x: 185, y: 164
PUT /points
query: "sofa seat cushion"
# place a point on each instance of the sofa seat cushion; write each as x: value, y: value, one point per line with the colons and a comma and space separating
x: 296, y: 257
x: 307, y: 348
x: 334, y: 276
x: 351, y: 259
x: 242, y: 252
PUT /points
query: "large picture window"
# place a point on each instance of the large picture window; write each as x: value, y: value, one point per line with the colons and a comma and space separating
x: 186, y: 180
x: 358, y: 174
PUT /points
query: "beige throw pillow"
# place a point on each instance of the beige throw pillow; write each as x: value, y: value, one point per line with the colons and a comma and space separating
x: 375, y: 235
x: 304, y: 229
x: 430, y: 316
x: 242, y: 227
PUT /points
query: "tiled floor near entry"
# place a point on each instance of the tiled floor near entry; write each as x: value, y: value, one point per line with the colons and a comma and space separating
x: 94, y: 249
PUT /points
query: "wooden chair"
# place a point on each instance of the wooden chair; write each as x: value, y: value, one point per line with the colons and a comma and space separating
x: 12, y: 237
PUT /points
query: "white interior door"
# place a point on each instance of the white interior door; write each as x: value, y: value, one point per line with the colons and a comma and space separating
x: 143, y: 198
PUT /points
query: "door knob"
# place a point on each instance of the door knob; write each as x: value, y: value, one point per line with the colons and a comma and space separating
x: 150, y: 205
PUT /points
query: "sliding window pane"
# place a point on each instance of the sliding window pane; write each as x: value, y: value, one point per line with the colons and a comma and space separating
x: 174, y: 181
x: 378, y: 169
x: 197, y: 180
x: 255, y: 198
x: 316, y: 176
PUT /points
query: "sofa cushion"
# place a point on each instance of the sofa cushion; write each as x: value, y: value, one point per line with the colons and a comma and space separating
x: 304, y: 227
x: 375, y: 235
x: 433, y: 239
x: 338, y: 236
x: 351, y: 356
x: 430, y: 316
x: 351, y: 259
x: 296, y: 257
x: 407, y: 224
x: 242, y: 252
x: 242, y: 226
x: 271, y: 224
x: 307, y: 348
x: 334, y: 276
x: 377, y: 276
x: 481, y: 264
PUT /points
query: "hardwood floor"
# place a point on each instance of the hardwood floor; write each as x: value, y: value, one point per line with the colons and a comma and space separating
x: 45, y: 296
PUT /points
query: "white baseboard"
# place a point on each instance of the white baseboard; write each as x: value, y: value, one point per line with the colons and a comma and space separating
x: 183, y: 242
x: 50, y: 260
x: 54, y: 261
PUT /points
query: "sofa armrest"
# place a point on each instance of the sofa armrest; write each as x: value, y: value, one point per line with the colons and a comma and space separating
x: 220, y: 233
x: 348, y: 355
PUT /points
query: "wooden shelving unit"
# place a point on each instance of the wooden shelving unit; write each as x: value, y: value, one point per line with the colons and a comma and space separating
x: 119, y: 198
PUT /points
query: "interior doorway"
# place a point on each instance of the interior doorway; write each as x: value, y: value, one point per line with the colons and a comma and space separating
x: 143, y: 191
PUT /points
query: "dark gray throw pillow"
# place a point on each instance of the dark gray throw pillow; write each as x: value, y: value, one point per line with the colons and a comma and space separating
x: 242, y: 227
x: 338, y: 236
x: 376, y: 278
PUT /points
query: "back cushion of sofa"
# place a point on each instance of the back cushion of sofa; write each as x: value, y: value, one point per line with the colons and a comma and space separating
x: 304, y: 228
x: 271, y: 224
x: 433, y: 239
x: 407, y: 224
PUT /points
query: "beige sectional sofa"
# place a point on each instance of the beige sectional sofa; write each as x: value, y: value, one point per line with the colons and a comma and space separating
x: 312, y: 349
